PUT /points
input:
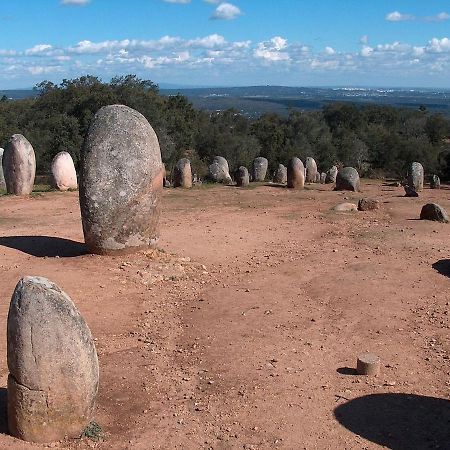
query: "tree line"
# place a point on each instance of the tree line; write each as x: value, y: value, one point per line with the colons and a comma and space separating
x: 377, y: 140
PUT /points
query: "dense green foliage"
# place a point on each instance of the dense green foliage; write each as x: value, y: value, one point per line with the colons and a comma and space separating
x: 377, y: 140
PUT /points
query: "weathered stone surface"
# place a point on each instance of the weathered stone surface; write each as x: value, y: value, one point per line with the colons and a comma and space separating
x: 368, y: 204
x: 323, y: 177
x: 2, y: 177
x: 19, y: 166
x: 410, y: 191
x: 63, y: 172
x: 432, y: 211
x: 295, y: 174
x: 345, y: 207
x: 311, y: 170
x: 52, y: 362
x: 219, y: 171
x: 331, y: 175
x: 242, y: 177
x: 182, y: 174
x: 317, y: 180
x: 259, y: 169
x: 415, y: 176
x: 347, y: 180
x: 120, y: 182
x: 435, y: 182
x: 280, y: 175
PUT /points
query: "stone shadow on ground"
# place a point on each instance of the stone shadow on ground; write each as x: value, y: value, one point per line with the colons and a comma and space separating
x: 44, y: 246
x: 443, y: 267
x: 398, y: 421
x: 3, y: 411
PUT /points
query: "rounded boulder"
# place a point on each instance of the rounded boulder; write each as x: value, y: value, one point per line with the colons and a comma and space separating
x: 295, y: 174
x: 182, y: 174
x: 19, y: 165
x: 432, y: 211
x: 347, y: 180
x: 311, y: 170
x: 121, y: 181
x: 242, y: 177
x: 280, y: 175
x: 52, y: 362
x: 219, y: 170
x: 63, y: 172
x: 259, y: 169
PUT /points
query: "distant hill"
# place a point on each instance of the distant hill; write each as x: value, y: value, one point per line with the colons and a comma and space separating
x: 18, y: 94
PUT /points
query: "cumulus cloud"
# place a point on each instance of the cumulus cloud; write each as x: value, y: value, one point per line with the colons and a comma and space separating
x: 226, y: 11
x: 441, y: 17
x: 75, y: 2
x: 396, y: 16
x: 272, y: 50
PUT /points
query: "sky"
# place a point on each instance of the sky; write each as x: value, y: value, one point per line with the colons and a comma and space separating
x: 384, y: 43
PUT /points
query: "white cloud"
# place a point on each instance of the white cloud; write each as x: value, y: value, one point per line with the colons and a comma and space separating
x: 438, y: 45
x: 398, y: 17
x: 441, y: 17
x: 75, y: 2
x: 40, y: 49
x: 366, y: 51
x: 226, y: 11
x: 272, y: 50
x: 329, y: 51
x: 364, y: 39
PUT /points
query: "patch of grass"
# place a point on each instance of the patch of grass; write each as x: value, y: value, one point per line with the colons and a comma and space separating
x: 93, y: 432
x: 42, y: 188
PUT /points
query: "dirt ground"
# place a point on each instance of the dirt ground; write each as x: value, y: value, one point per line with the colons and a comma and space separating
x: 242, y: 331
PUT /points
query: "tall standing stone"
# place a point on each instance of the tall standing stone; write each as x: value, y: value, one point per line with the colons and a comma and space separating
x: 347, y: 180
x: 19, y: 166
x: 311, y: 170
x: 331, y: 175
x: 295, y: 174
x: 280, y: 175
x: 2, y: 177
x: 52, y: 362
x: 121, y: 181
x: 63, y: 172
x: 242, y: 177
x: 219, y: 170
x: 182, y: 174
x: 415, y: 176
x: 259, y: 169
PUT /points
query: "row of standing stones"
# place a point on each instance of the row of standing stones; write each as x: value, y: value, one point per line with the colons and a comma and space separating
x: 52, y: 361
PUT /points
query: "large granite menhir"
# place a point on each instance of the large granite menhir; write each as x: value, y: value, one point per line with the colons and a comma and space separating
x: 347, y: 180
x: 182, y: 174
x: 311, y: 170
x: 219, y: 171
x: 63, y: 172
x: 415, y: 176
x: 19, y: 166
x: 295, y: 174
x: 121, y: 181
x: 259, y: 169
x: 52, y: 362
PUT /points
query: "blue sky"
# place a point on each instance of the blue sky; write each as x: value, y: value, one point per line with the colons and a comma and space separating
x: 236, y: 42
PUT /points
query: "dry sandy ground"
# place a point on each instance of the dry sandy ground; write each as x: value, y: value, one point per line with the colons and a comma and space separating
x: 243, y: 332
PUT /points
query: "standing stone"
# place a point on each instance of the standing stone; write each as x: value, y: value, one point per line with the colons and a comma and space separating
x: 166, y: 182
x: 19, y: 165
x: 347, y: 180
x: 280, y: 175
x: 63, y: 172
x: 331, y: 175
x: 317, y: 180
x: 295, y: 174
x: 323, y: 177
x: 242, y: 177
x: 311, y: 170
x: 121, y: 182
x: 2, y: 177
x: 52, y: 362
x: 435, y: 182
x: 259, y: 169
x: 219, y: 171
x: 410, y: 191
x: 432, y: 211
x: 182, y: 174
x: 415, y: 176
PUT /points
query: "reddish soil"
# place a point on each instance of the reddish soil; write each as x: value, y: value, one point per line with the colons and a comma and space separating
x: 242, y: 332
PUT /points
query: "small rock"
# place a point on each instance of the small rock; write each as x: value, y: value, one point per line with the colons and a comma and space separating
x: 345, y: 207
x: 368, y: 204
x: 432, y: 211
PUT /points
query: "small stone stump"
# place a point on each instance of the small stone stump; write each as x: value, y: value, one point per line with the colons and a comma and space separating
x: 19, y: 166
x: 410, y: 191
x: 52, y: 362
x: 295, y: 174
x: 182, y: 174
x: 432, y: 211
x: 259, y: 169
x: 63, y: 172
x: 368, y: 364
x: 323, y: 177
x: 242, y: 177
x: 331, y: 175
x: 435, y: 182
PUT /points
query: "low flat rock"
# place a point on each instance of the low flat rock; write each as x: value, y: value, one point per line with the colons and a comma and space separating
x: 345, y: 207
x: 63, y: 172
x: 52, y: 362
x: 19, y: 166
x: 121, y: 182
x: 347, y: 179
x: 432, y: 211
x: 368, y: 204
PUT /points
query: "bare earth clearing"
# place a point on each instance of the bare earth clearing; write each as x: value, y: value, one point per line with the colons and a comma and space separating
x: 242, y: 332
